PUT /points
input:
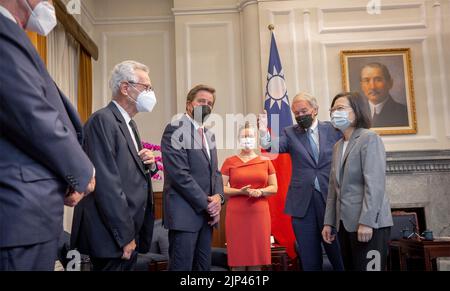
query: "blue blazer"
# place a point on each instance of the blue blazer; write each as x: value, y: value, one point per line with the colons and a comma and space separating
x: 40, y: 152
x: 189, y: 176
x: 294, y: 141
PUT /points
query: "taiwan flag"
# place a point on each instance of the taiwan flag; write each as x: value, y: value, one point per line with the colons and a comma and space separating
x: 279, y: 116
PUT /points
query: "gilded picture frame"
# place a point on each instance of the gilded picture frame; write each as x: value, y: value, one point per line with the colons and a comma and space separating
x: 385, y: 77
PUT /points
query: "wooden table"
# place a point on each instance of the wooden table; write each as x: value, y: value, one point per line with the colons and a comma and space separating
x: 426, y: 250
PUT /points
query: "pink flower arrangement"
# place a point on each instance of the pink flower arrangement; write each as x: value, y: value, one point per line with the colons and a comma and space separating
x: 158, y: 159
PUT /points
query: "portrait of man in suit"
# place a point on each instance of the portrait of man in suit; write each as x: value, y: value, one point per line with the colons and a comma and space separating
x: 384, y: 77
x: 376, y: 82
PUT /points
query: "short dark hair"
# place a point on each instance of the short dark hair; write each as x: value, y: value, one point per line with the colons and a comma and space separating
x: 360, y: 107
x: 191, y: 95
x: 383, y: 68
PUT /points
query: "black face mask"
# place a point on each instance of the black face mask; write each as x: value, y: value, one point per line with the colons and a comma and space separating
x: 201, y: 113
x: 304, y: 121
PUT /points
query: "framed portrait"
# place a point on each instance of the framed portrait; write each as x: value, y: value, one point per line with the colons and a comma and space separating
x: 385, y: 78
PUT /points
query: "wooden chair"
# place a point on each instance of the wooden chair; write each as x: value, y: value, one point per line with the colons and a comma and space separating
x: 402, y: 221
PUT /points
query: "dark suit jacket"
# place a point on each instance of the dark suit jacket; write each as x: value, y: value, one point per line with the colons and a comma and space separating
x: 189, y: 176
x: 294, y: 141
x: 119, y: 210
x: 393, y: 114
x: 40, y: 152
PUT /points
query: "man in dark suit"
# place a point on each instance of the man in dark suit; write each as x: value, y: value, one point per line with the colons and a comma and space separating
x: 116, y: 222
x: 310, y: 144
x: 376, y: 82
x: 193, y: 187
x: 42, y: 165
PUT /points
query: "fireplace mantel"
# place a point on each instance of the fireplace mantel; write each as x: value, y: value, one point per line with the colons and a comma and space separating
x: 410, y: 162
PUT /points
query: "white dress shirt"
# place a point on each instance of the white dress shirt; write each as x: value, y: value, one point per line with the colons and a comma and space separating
x: 5, y: 12
x: 127, y: 118
x: 197, y: 126
x: 344, y: 148
x: 376, y: 109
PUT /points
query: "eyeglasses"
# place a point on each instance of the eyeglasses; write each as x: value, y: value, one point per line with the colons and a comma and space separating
x: 147, y: 88
x: 339, y: 108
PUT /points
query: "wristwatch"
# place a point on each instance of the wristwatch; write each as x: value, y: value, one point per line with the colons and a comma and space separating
x: 222, y: 199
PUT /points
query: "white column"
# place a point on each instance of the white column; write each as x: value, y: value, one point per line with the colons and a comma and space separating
x: 251, y: 57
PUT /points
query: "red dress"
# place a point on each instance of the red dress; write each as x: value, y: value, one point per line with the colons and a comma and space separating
x: 247, y: 222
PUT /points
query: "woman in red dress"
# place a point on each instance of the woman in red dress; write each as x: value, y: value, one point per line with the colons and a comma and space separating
x: 248, y: 179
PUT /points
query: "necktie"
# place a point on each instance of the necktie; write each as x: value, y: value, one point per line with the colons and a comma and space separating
x: 133, y: 126
x: 315, y: 150
x: 314, y: 146
x: 200, y: 132
x: 375, y: 118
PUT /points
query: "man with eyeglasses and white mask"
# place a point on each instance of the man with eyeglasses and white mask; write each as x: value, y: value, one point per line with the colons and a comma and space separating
x: 42, y: 164
x: 116, y: 221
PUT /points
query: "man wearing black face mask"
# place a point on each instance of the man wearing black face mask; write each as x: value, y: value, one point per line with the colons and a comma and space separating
x: 305, y: 121
x: 310, y: 143
x: 193, y: 187
x: 200, y: 113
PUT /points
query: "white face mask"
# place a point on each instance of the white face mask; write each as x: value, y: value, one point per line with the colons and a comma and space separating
x: 42, y: 19
x: 247, y: 143
x: 339, y: 119
x: 146, y: 101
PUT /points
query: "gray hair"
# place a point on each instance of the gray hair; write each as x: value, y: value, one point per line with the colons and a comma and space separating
x: 125, y: 72
x: 306, y: 97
